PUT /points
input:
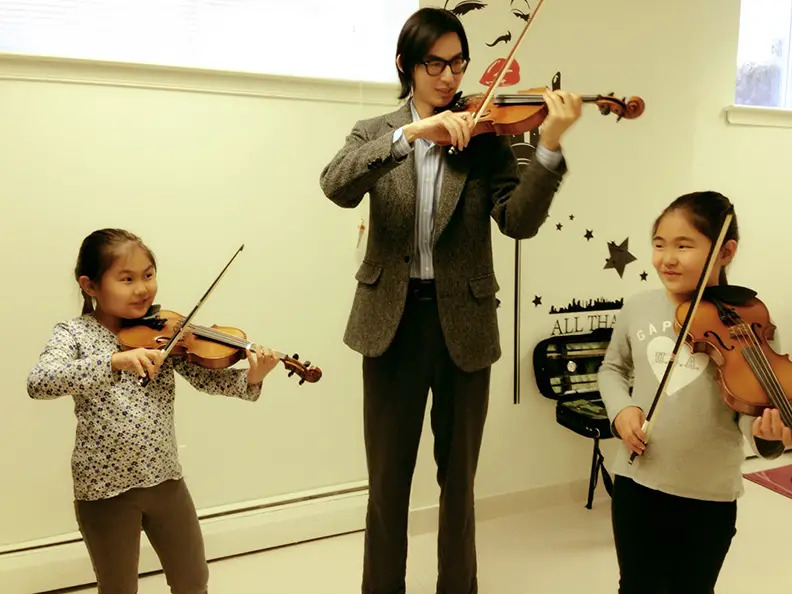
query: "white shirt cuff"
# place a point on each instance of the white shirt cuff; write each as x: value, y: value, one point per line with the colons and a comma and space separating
x: 548, y: 158
x: 400, y: 147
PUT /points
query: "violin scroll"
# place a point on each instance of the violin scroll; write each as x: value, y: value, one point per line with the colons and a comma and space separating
x: 305, y: 371
x: 630, y: 110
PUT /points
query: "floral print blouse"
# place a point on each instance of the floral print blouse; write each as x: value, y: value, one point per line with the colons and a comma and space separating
x: 126, y: 437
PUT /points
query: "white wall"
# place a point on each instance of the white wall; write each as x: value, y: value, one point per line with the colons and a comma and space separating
x: 197, y: 172
x: 196, y: 175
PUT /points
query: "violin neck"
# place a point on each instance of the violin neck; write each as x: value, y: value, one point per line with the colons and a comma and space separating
x: 227, y: 339
x: 534, y: 99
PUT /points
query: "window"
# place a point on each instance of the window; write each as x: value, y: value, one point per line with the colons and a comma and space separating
x: 764, y: 60
x: 340, y: 39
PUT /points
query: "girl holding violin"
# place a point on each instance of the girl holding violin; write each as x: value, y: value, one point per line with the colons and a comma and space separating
x: 674, y: 509
x: 125, y: 465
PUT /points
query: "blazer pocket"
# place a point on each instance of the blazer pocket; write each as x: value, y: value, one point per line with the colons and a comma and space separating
x: 484, y: 286
x: 368, y: 273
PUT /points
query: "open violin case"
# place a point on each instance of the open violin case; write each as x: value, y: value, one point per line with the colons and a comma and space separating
x: 566, y: 369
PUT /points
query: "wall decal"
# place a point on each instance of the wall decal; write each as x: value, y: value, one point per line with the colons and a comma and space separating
x: 559, y: 226
x: 619, y: 256
x: 523, y: 148
x: 589, y: 235
x: 537, y: 300
x: 574, y: 319
x: 643, y: 275
x: 571, y: 217
x: 492, y: 29
x: 599, y: 304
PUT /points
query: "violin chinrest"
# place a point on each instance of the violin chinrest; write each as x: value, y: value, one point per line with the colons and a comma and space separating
x: 150, y: 319
x: 729, y: 294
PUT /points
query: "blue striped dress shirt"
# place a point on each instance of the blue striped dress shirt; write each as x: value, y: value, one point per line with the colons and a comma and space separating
x: 429, y: 167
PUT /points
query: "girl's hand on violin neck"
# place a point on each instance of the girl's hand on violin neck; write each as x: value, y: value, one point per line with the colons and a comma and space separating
x: 770, y: 427
x: 563, y: 110
x: 447, y: 127
x: 629, y: 423
x: 139, y: 361
x: 261, y: 361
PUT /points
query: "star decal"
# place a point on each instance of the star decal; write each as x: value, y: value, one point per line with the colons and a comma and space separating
x: 537, y: 301
x: 559, y: 226
x: 571, y: 217
x: 589, y: 235
x: 619, y: 256
x: 643, y: 275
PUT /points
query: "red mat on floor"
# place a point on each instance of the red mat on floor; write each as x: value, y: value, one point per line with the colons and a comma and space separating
x: 776, y: 479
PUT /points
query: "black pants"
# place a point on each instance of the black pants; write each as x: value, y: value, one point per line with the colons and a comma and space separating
x: 396, y: 387
x: 668, y: 544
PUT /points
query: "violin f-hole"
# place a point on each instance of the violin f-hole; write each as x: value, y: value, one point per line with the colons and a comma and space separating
x: 709, y: 333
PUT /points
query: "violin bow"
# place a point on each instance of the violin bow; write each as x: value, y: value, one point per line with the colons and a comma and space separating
x: 702, y: 285
x: 491, y: 91
x: 177, y: 336
x: 494, y: 85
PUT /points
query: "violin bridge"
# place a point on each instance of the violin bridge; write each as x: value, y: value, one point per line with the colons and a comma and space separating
x: 742, y: 332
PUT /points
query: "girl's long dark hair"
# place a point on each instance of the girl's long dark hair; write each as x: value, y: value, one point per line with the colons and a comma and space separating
x: 705, y: 210
x: 97, y: 253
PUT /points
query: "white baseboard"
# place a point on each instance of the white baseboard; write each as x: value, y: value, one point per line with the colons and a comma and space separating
x: 62, y: 562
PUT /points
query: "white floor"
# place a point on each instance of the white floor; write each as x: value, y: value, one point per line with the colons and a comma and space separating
x: 561, y: 550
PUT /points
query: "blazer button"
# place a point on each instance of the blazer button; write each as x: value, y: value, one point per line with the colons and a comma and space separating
x: 372, y: 164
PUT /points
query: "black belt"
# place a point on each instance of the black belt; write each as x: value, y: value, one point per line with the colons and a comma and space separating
x: 421, y: 290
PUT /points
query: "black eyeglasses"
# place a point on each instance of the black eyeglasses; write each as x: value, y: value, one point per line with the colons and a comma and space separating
x: 436, y: 66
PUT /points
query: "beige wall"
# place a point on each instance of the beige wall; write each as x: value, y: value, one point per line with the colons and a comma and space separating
x: 197, y: 172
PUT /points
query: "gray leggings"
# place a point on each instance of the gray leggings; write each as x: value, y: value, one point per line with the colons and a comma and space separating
x: 111, y: 531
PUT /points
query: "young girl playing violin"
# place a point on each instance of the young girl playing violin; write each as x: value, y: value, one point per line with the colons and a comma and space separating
x: 674, y: 509
x: 125, y: 465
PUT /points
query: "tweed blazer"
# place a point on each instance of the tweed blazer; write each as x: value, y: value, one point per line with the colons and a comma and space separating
x: 480, y: 183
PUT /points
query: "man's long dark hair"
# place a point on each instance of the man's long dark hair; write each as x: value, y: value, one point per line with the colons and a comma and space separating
x: 417, y: 37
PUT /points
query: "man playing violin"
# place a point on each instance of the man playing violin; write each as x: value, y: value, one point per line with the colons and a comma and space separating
x: 424, y: 312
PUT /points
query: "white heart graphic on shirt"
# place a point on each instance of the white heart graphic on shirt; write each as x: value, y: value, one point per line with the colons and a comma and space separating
x: 689, y: 365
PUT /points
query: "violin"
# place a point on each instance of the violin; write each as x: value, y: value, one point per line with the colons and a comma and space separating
x: 517, y: 113
x: 733, y: 326
x: 214, y: 347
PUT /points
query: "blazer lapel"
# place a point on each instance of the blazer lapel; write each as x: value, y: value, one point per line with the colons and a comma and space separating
x: 400, y: 117
x: 454, y: 176
x: 404, y: 175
